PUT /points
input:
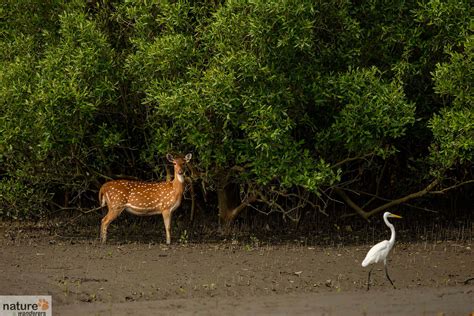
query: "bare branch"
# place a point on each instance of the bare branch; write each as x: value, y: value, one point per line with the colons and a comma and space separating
x: 272, y: 204
x: 302, y: 198
x: 443, y: 191
x: 405, y: 198
x: 349, y: 202
x: 377, y: 189
x: 247, y: 202
x: 337, y: 164
x: 60, y: 208
x: 364, y: 214
x: 389, y: 200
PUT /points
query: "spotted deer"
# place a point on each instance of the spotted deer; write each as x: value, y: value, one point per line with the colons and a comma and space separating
x: 144, y: 198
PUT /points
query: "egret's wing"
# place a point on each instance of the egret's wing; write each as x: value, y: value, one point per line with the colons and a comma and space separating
x: 377, y: 253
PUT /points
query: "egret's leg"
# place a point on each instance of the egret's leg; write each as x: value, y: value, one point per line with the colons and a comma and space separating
x: 388, y: 277
x: 368, y: 280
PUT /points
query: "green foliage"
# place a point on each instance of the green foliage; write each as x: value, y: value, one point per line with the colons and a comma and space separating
x: 270, y: 95
x: 75, y: 80
x: 455, y: 78
x: 21, y: 199
x: 160, y: 63
x: 235, y: 109
x: 27, y: 27
x: 453, y: 127
x: 453, y: 132
x: 49, y: 109
x: 372, y: 114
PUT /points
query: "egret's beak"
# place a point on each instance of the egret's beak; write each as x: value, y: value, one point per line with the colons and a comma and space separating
x: 395, y: 216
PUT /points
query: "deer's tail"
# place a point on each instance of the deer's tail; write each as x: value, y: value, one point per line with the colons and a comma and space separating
x: 102, y: 199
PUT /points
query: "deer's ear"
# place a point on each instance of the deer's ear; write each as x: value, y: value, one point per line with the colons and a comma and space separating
x: 170, y: 157
x: 188, y: 157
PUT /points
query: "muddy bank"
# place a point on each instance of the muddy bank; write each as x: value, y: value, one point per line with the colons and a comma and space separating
x: 236, y: 277
x: 431, y: 301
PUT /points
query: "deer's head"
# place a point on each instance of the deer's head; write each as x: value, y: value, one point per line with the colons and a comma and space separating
x: 179, y: 165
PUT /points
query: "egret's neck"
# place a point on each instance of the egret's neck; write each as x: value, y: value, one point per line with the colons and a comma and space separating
x: 392, y: 229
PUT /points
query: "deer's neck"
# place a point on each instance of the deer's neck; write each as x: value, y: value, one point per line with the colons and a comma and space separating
x: 178, y: 183
x: 180, y: 178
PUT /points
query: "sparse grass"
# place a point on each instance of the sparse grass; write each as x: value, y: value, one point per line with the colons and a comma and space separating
x: 327, y: 231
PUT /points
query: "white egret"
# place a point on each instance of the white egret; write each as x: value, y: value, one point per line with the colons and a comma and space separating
x: 380, y: 251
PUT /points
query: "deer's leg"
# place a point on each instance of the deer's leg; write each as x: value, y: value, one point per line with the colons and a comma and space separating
x: 111, y: 215
x: 167, y: 221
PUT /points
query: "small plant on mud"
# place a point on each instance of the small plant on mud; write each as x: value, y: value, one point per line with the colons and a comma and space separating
x: 89, y: 298
x: 254, y: 243
x: 64, y: 285
x: 184, y: 237
x: 209, y: 287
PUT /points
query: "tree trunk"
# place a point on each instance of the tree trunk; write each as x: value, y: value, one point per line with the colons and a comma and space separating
x: 228, y: 199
